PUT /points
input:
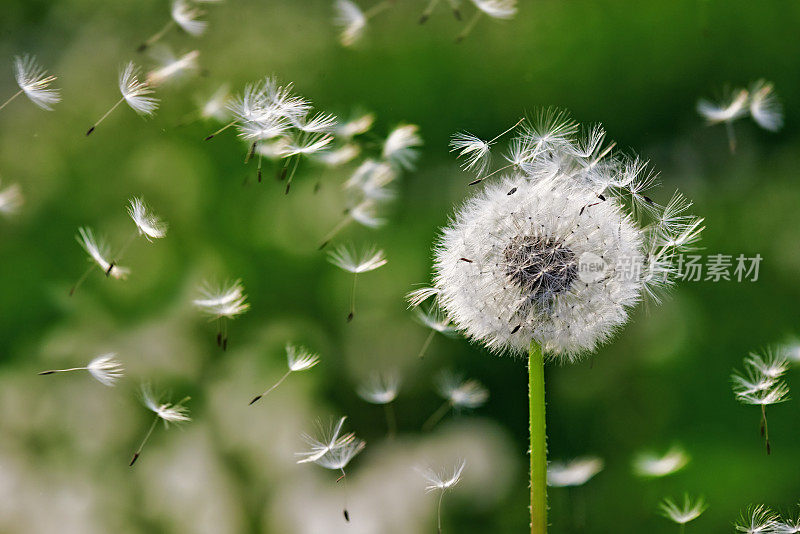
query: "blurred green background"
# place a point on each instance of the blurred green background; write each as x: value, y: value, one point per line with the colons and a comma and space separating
x: 637, y: 67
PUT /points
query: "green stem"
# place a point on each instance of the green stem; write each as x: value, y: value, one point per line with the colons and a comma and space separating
x: 538, y: 440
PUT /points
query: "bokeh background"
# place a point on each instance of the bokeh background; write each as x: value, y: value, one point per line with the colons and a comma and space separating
x: 637, y: 67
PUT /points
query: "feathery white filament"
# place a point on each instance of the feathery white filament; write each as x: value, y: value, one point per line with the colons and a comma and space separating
x: 34, y: 81
x: 462, y: 393
x: 682, y: 514
x: 167, y: 412
x: 725, y: 111
x: 648, y: 464
x: 345, y: 257
x: 401, y: 146
x: 224, y: 301
x: 98, y: 250
x: 757, y: 520
x: 765, y: 108
x: 351, y: 20
x: 299, y: 358
x: 185, y: 15
x: 442, y: 480
x: 576, y: 472
x: 499, y: 9
x: 105, y: 369
x: 329, y: 437
x: 147, y: 223
x: 380, y: 388
x: 136, y: 93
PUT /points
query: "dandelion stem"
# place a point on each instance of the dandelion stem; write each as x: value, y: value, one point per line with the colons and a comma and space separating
x: 96, y: 124
x: 538, y: 440
x: 391, y: 420
x: 53, y: 371
x: 344, y: 510
x: 250, y: 153
x: 291, y: 174
x: 731, y: 136
x: 437, y: 415
x: 156, y: 37
x: 146, y: 437
x: 278, y: 383
x: 479, y: 180
x: 211, y: 136
x: 498, y: 136
x: 12, y: 98
x: 428, y: 10
x: 765, y: 427
x: 126, y: 245
x: 352, y: 299
x: 336, y: 229
x: 470, y: 25
x: 425, y: 345
x: 439, y: 513
x: 683, y: 528
x: 80, y: 280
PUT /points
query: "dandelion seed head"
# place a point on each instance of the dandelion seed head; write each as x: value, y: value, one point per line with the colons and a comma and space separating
x: 652, y: 465
x: 401, y: 147
x: 462, y: 393
x: 147, y: 223
x: 380, y: 388
x: 475, y: 151
x: 105, y: 369
x: 328, y: 436
x: 682, y: 514
x: 227, y: 300
x: 765, y: 108
x: 442, y: 480
x: 136, y: 93
x: 300, y: 358
x: 167, y: 412
x: 576, y: 472
x: 760, y: 383
x: 98, y: 251
x: 345, y: 257
x: 352, y: 21
x: 34, y: 81
x: 339, y: 456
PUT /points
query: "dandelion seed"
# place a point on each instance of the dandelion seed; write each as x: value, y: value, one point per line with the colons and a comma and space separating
x: 651, y: 465
x: 382, y: 388
x: 216, y: 106
x: 104, y: 368
x: 496, y: 9
x: 725, y: 112
x: 222, y: 303
x: 401, y: 146
x: 441, y: 481
x: 757, y: 520
x: 350, y: 18
x: 437, y: 321
x: 685, y: 513
x: 167, y: 412
x: 298, y: 359
x: 760, y: 384
x: 339, y: 156
x: 365, y: 213
x: 458, y: 394
x: 185, y: 15
x: 475, y: 151
x: 173, y: 67
x: 11, y: 199
x: 576, y: 472
x: 34, y: 81
x: 135, y: 93
x: 98, y: 251
x: 765, y: 109
x: 346, y: 258
x: 418, y: 296
x: 332, y: 451
x: 147, y: 223
x: 358, y: 125
x: 432, y: 5
x: 787, y: 526
x: 372, y: 180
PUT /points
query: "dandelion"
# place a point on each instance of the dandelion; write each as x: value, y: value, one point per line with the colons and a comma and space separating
x: 432, y: 5
x: 651, y: 465
x: 687, y: 512
x: 332, y: 451
x: 184, y: 14
x: 167, y: 412
x: 298, y: 359
x: 135, y: 93
x: 11, y: 199
x: 98, y: 251
x: 496, y: 9
x: 550, y: 258
x: 172, y: 67
x: 441, y: 481
x: 352, y: 20
x: 401, y: 146
x: 148, y: 224
x: 382, y: 388
x: 458, y: 394
x: 727, y: 111
x: 104, y: 368
x: 222, y: 303
x: 765, y: 109
x: 757, y: 520
x: 346, y: 258
x: 34, y: 81
x: 760, y: 384
x: 437, y: 321
x: 357, y: 125
x: 576, y: 472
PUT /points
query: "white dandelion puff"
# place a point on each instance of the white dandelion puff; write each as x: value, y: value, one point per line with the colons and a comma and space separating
x: 173, y: 68
x: 401, y: 147
x: 11, y: 199
x: 345, y: 257
x: 727, y: 111
x: 352, y: 21
x: 576, y: 472
x: 765, y: 109
x: 135, y: 93
x: 298, y: 359
x: 459, y: 394
x: 148, y: 224
x: 441, y: 481
x: 757, y: 520
x: 684, y: 513
x: 98, y: 252
x: 104, y: 368
x: 35, y: 82
x: 652, y: 465
x: 164, y: 411
x: 222, y: 303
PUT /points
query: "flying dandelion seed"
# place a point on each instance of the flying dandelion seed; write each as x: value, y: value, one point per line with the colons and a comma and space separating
x: 135, y: 93
x: 365, y: 213
x: 441, y: 481
x: 685, y: 513
x: 298, y: 359
x: 475, y: 151
x: 432, y: 5
x: 382, y: 389
x: 11, y: 200
x: 401, y: 147
x: 760, y: 384
x: 167, y: 412
x: 576, y: 472
x: 345, y: 257
x: 352, y: 20
x: 757, y: 520
x: 438, y: 322
x: 34, y: 81
x: 148, y: 224
x: 332, y: 451
x: 550, y: 258
x: 98, y: 251
x: 104, y: 368
x: 459, y: 394
x: 172, y: 68
x: 765, y: 109
x: 359, y: 124
x: 727, y: 111
x: 183, y: 14
x: 496, y: 9
x: 222, y: 303
x: 651, y: 465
